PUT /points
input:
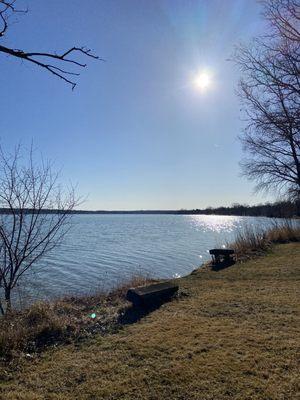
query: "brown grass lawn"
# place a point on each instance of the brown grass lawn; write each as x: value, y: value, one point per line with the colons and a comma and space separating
x: 234, y: 335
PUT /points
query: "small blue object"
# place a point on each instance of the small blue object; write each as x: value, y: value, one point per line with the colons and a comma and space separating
x: 93, y: 315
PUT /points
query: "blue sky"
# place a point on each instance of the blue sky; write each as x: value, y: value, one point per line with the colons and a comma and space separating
x: 135, y: 133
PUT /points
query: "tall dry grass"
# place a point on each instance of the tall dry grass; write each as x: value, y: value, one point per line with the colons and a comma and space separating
x: 251, y: 241
x: 50, y: 323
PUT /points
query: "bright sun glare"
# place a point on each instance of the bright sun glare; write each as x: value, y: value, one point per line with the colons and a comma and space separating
x: 203, y: 80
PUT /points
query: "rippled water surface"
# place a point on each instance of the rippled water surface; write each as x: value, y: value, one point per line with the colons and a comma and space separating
x: 100, y: 251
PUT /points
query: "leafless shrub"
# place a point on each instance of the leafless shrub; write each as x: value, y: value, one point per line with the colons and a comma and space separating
x: 35, y: 216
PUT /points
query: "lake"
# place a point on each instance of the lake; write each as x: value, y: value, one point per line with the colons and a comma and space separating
x: 101, y: 251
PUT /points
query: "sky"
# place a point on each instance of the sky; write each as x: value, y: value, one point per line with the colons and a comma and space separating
x: 136, y: 133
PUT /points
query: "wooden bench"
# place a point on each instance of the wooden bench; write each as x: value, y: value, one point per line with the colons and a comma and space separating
x: 151, y: 294
x: 221, y: 255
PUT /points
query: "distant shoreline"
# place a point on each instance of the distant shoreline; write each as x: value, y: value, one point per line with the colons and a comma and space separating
x: 283, y: 209
x: 140, y: 212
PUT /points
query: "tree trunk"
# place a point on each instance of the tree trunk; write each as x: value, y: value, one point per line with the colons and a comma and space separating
x: 1, y: 309
x: 8, y: 300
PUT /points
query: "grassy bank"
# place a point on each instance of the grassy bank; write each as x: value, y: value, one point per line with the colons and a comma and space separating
x: 234, y: 334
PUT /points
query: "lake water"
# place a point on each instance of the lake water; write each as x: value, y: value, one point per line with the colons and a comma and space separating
x: 100, y: 251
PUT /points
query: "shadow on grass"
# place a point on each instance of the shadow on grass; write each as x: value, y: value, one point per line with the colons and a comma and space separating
x: 135, y: 313
x: 222, y: 265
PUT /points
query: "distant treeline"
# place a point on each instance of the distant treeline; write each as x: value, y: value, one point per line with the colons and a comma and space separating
x: 280, y: 209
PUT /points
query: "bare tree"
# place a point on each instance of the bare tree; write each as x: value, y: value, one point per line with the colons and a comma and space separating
x: 283, y: 17
x: 34, y: 217
x: 270, y: 94
x: 56, y: 64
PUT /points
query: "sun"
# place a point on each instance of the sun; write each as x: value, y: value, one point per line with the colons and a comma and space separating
x: 203, y: 80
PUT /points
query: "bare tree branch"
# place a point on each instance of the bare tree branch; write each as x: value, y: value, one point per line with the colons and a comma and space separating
x: 48, y: 61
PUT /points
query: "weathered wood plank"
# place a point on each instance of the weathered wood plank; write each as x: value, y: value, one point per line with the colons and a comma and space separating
x: 151, y: 294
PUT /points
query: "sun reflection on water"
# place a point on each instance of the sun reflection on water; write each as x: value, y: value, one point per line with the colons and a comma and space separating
x: 215, y: 223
